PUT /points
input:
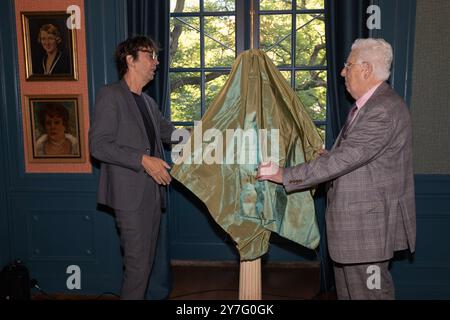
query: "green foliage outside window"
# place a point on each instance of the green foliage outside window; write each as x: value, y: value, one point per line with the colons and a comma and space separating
x: 305, y: 64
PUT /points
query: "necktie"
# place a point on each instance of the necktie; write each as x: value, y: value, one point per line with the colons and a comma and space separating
x: 350, y: 117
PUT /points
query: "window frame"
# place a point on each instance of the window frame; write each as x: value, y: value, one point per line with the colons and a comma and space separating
x: 243, y: 40
x: 202, y: 69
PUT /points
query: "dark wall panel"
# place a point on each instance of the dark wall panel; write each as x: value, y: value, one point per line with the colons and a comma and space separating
x: 8, y: 110
x: 431, y: 99
x: 54, y: 231
x: 427, y: 275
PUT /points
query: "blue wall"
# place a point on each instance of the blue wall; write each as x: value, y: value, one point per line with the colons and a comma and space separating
x: 427, y: 276
x: 7, y: 84
x: 51, y: 221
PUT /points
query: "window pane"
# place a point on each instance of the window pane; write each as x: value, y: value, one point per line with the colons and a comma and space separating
x: 219, y: 41
x: 310, y: 4
x: 218, y: 5
x: 287, y: 76
x: 275, y: 5
x: 275, y: 37
x: 310, y: 48
x: 214, y: 83
x: 311, y: 88
x: 184, y: 6
x: 185, y: 42
x: 185, y: 97
x: 321, y: 130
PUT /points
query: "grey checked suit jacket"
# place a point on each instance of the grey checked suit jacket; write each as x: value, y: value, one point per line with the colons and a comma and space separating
x: 371, y: 205
x: 118, y: 139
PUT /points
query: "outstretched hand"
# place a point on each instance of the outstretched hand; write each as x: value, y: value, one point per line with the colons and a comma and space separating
x: 157, y: 169
x: 270, y: 171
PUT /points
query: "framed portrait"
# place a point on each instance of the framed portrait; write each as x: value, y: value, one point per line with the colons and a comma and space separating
x: 50, y: 46
x: 55, y: 132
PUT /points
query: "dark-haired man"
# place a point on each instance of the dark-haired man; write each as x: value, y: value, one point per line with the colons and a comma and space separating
x: 126, y: 137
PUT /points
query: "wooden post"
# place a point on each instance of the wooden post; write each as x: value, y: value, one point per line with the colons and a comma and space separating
x: 250, y: 271
x: 250, y: 280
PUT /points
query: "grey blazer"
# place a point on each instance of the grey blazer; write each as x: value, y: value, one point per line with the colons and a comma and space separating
x: 118, y: 139
x: 370, y: 202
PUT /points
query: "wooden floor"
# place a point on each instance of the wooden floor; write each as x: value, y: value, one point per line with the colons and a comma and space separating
x: 220, y: 281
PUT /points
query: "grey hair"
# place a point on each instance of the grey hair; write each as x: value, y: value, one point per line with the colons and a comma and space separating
x: 378, y: 53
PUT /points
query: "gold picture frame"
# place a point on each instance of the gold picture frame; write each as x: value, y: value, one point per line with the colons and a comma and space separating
x: 50, y: 46
x: 54, y: 126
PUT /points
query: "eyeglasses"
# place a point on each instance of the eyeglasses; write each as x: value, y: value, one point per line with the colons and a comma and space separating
x: 152, y: 54
x: 348, y: 65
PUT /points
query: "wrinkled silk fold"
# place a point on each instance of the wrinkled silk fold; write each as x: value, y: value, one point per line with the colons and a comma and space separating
x: 255, y: 96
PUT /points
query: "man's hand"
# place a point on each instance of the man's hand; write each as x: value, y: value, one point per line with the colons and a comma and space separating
x: 322, y: 152
x: 157, y: 169
x: 270, y: 171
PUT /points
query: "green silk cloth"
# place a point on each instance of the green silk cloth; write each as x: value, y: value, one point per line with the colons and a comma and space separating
x: 255, y: 96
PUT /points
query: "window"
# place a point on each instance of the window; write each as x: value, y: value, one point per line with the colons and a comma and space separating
x: 204, y: 39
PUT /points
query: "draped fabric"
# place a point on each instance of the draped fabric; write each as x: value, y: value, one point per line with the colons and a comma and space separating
x: 255, y: 96
x: 151, y: 18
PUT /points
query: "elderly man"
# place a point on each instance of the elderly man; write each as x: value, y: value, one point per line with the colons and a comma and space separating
x: 127, y: 136
x: 370, y: 208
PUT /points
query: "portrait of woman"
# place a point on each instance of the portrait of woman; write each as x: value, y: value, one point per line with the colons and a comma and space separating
x: 50, y: 52
x: 55, y: 129
x: 54, y: 59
